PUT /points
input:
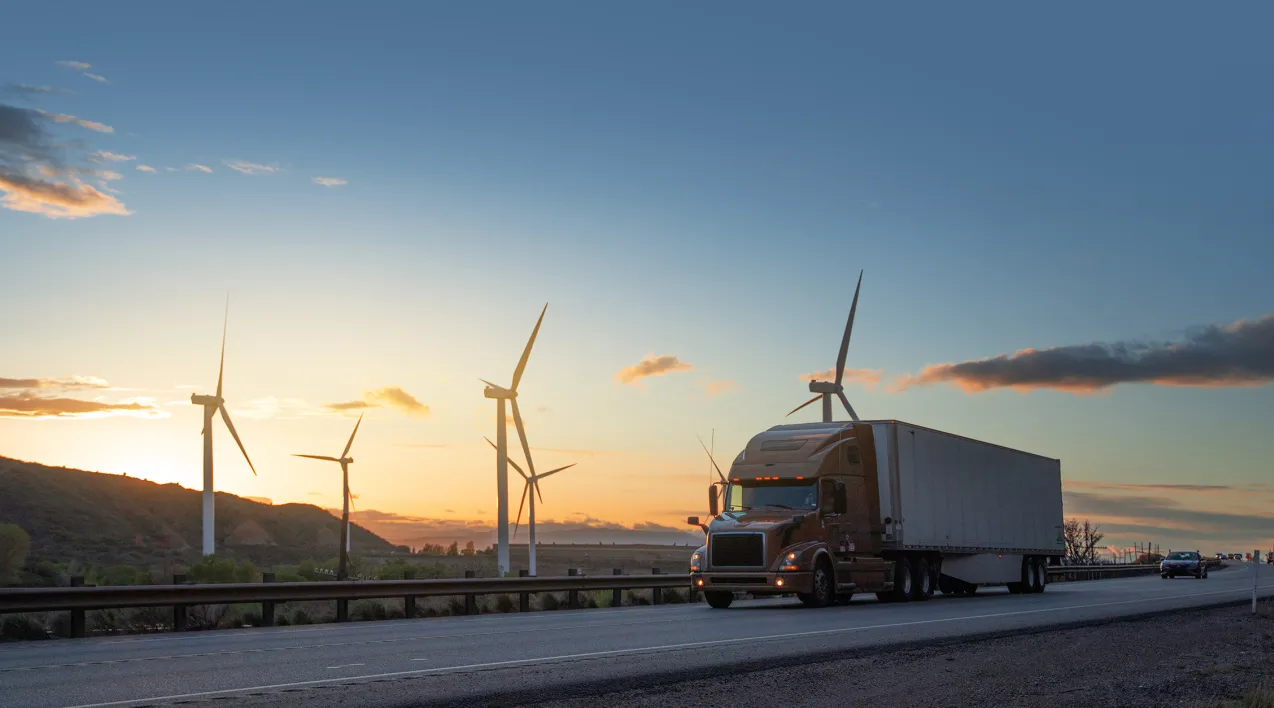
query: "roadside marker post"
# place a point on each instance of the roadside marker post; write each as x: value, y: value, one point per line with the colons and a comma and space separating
x: 1256, y: 570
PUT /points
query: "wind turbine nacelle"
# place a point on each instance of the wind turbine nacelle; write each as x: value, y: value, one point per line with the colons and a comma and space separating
x: 348, y: 460
x: 204, y: 400
x: 825, y: 387
x: 498, y: 393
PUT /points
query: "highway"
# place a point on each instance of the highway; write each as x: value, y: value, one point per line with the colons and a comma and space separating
x: 518, y: 659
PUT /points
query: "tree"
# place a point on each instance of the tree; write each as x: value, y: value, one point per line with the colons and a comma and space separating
x: 453, y: 549
x: 14, y: 545
x: 468, y: 549
x: 1081, y: 541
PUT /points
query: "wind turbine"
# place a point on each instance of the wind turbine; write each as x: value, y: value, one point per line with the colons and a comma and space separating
x: 211, y: 405
x: 826, y: 389
x: 345, y: 461
x: 532, y: 481
x: 720, y: 477
x: 501, y: 394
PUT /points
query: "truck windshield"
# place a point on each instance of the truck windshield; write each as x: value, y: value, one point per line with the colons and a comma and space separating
x: 772, y: 495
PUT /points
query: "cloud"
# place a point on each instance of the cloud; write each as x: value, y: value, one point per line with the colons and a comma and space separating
x: 251, y: 168
x: 718, y: 388
x: 96, y: 77
x: 28, y: 90
x: 397, y: 398
x: 195, y: 167
x: 867, y: 377
x: 77, y: 65
x: 145, y: 168
x: 48, y: 398
x: 67, y: 118
x: 113, y: 156
x: 387, y: 397
x: 273, y: 407
x: 349, y: 406
x: 65, y: 200
x: 1165, y: 516
x: 110, y: 175
x: 651, y: 365
x: 1238, y: 354
x: 330, y: 181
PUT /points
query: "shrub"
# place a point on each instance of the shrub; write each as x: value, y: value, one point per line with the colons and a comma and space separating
x: 504, y: 603
x: 22, y: 628
x: 636, y: 599
x: 368, y: 610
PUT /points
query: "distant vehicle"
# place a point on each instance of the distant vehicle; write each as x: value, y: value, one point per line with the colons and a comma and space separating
x: 1269, y: 557
x: 1183, y: 563
x: 1222, y: 556
x: 817, y: 509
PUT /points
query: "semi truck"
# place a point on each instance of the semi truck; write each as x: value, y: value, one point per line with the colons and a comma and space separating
x: 827, y: 510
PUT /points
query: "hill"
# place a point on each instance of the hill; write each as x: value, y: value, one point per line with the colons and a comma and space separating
x: 104, y: 519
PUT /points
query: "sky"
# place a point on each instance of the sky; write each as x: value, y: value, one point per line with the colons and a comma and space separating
x: 1063, y: 220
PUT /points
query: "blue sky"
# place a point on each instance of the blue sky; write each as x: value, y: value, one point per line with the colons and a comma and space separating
x: 704, y: 182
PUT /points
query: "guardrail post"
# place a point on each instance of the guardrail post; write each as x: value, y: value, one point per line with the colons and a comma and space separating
x: 179, y: 611
x: 658, y: 593
x: 409, y: 602
x: 77, y: 616
x: 470, y: 600
x: 524, y: 599
x: 267, y: 606
x: 572, y: 597
x: 342, y: 610
x: 617, y: 595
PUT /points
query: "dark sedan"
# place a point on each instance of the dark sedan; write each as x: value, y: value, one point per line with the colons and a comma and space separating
x: 1183, y: 563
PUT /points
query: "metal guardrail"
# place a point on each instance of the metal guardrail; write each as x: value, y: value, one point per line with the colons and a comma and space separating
x: 180, y: 597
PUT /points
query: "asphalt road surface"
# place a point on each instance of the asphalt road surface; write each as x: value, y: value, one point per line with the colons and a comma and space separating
x: 519, y: 659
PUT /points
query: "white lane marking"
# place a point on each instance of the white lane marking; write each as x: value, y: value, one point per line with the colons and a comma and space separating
x: 328, y: 645
x: 345, y: 666
x: 639, y: 650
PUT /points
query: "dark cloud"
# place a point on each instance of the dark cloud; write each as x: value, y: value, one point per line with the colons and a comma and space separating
x: 651, y: 365
x: 28, y: 406
x: 1166, y: 517
x: 1238, y: 354
x: 34, y: 178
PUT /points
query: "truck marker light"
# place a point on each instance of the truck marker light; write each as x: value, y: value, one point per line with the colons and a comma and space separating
x: 799, y: 477
x: 791, y: 556
x: 699, y: 582
x: 779, y: 582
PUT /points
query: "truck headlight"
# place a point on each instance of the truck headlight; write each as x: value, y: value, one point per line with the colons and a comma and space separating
x: 790, y: 562
x: 694, y: 562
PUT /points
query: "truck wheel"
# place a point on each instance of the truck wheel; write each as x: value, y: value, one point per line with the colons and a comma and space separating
x: 903, y: 581
x: 823, y: 587
x: 945, y: 586
x: 718, y: 600
x: 1041, y: 566
x: 1033, y: 574
x: 844, y: 598
x: 922, y: 580
x: 969, y: 589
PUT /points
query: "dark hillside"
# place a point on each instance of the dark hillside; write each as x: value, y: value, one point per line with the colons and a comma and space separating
x: 104, y: 519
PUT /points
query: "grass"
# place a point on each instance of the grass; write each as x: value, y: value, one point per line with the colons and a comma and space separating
x: 1259, y: 697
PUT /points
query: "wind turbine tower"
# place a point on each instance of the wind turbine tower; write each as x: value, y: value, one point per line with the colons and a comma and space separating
x: 211, y: 406
x: 345, y: 461
x: 510, y: 394
x: 532, y: 483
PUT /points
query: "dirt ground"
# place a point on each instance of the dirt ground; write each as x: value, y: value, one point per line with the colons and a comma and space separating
x: 1193, y: 658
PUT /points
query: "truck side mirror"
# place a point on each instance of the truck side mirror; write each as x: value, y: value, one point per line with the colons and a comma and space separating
x: 841, y: 499
x: 712, y: 501
x: 692, y: 521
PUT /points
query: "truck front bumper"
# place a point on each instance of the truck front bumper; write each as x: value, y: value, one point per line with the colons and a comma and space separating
x: 755, y: 583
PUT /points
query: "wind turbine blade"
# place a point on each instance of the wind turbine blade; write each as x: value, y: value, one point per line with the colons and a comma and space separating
x: 848, y: 407
x: 488, y: 383
x: 559, y: 469
x: 325, y: 458
x: 849, y: 327
x: 805, y: 404
x: 710, y: 458
x: 520, y: 505
x: 350, y: 444
x: 536, y: 482
x: 526, y: 449
x: 221, y: 371
x: 526, y: 353
x: 509, y: 459
x: 226, y: 417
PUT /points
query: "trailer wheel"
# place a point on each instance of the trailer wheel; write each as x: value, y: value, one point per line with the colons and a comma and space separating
x: 946, y: 586
x: 922, y: 580
x: 1041, y: 566
x: 903, y: 581
x: 969, y: 589
x: 1033, y: 575
x: 718, y: 600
